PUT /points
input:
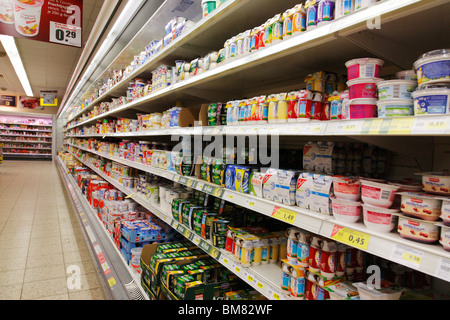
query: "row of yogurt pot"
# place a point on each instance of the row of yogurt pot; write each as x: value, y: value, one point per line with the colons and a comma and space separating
x: 423, y: 90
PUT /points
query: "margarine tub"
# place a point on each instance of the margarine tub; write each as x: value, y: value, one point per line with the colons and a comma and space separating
x: 432, y: 99
x: 421, y: 205
x: 417, y: 229
x: 396, y: 89
x: 407, y: 75
x: 379, y: 219
x: 436, y: 182
x: 433, y: 66
x: 395, y: 108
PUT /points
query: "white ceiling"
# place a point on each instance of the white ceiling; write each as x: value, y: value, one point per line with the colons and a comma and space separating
x: 49, y: 66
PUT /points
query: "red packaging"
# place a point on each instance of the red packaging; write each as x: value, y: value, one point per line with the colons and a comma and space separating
x: 304, y: 104
x: 328, y: 264
x: 293, y: 105
x: 340, y: 261
x: 360, y: 258
x: 314, y: 258
x: 309, y: 291
x: 351, y: 257
x: 316, y: 110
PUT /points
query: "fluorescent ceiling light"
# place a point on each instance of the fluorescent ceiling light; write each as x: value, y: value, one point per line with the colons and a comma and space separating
x: 125, y: 17
x: 11, y: 49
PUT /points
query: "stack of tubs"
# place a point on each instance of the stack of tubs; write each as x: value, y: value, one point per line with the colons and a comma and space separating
x: 363, y: 76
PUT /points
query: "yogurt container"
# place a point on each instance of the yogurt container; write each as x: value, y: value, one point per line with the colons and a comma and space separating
x: 445, y: 212
x: 367, y: 293
x: 395, y: 108
x: 433, y: 67
x: 432, y: 99
x: 347, y: 188
x: 407, y: 75
x: 379, y: 219
x: 421, y: 205
x: 363, y: 108
x: 364, y: 68
x: 396, y: 89
x: 436, y: 182
x: 445, y: 237
x: 378, y: 194
x: 363, y: 88
x: 347, y: 211
x: 417, y: 229
x: 27, y: 17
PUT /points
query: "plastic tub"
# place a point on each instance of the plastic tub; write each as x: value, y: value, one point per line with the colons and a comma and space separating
x: 436, y: 182
x: 421, y: 205
x: 433, y: 66
x: 445, y: 212
x: 364, y: 68
x: 346, y: 188
x: 396, y: 89
x: 395, y: 108
x: 346, y: 211
x: 27, y: 17
x: 378, y: 194
x: 407, y: 75
x: 445, y: 236
x: 417, y: 229
x: 363, y: 88
x: 366, y: 293
x: 432, y: 99
x: 380, y: 219
x: 363, y: 108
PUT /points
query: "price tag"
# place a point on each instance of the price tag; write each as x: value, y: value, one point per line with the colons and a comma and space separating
x: 407, y: 256
x: 230, y: 197
x: 259, y: 285
x: 443, y: 269
x: 284, y: 215
x: 351, y: 237
x: 375, y: 126
x: 237, y: 269
x: 250, y: 278
x: 250, y: 203
x: 65, y: 34
x: 225, y: 260
x: 200, y: 186
x: 401, y: 126
x: 438, y: 125
x: 196, y: 241
x: 112, y: 281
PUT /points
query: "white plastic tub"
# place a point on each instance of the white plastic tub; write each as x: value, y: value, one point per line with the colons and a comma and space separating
x: 347, y: 188
x: 364, y: 68
x: 445, y: 237
x: 366, y: 293
x: 436, y: 182
x: 380, y: 219
x: 378, y: 194
x: 395, y: 108
x: 433, y: 67
x: 407, y: 75
x: 396, y: 89
x: 432, y: 99
x: 421, y: 205
x: 445, y: 212
x: 346, y: 211
x: 417, y: 229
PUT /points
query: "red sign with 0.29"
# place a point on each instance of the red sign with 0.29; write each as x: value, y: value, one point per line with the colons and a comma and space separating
x: 55, y: 21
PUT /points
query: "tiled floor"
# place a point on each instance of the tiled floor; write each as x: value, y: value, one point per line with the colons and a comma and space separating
x: 40, y: 238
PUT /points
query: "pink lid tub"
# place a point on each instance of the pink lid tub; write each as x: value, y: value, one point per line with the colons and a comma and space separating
x: 347, y: 211
x: 363, y: 108
x: 379, y: 219
x: 363, y: 88
x: 364, y: 68
x: 417, y: 230
x: 347, y: 188
x: 378, y: 194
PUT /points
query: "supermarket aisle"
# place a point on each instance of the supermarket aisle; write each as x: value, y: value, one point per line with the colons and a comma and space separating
x: 40, y: 237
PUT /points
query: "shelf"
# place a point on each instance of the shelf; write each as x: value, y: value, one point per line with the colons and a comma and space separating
x: 119, y: 279
x: 27, y: 130
x: 266, y: 279
x: 264, y: 70
x: 30, y: 148
x: 19, y: 141
x: 26, y: 124
x: 434, y: 260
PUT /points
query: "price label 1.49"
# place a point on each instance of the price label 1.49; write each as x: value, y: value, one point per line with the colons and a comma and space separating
x: 284, y: 215
x: 65, y: 34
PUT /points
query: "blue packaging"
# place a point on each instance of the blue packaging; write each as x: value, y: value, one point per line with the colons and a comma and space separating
x: 229, y: 176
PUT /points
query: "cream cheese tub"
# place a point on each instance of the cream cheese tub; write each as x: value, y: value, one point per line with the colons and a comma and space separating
x: 347, y: 211
x: 433, y: 67
x: 347, y: 188
x: 432, y: 99
x: 363, y: 88
x: 421, y: 205
x: 380, y: 219
x: 417, y: 229
x: 395, y: 108
x: 436, y: 182
x: 364, y: 68
x: 396, y: 89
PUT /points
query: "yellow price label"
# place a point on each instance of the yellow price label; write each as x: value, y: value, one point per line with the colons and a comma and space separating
x: 251, y: 203
x: 436, y: 125
x: 401, y: 126
x: 130, y: 196
x: 260, y: 285
x: 351, y: 237
x: 350, y: 127
x: 225, y: 261
x: 276, y: 296
x: 316, y: 129
x: 230, y: 196
x: 250, y: 278
x: 237, y: 269
x: 112, y: 281
x: 375, y: 126
x: 411, y: 258
x: 284, y: 215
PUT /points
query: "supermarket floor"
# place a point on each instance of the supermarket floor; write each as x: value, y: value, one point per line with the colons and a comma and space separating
x: 40, y: 237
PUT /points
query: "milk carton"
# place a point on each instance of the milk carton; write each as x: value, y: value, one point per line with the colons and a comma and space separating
x: 256, y: 184
x: 270, y: 183
x: 322, y: 192
x: 303, y: 190
x: 318, y: 157
x: 286, y: 187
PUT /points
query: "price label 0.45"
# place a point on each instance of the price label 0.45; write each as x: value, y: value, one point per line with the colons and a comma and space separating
x: 353, y: 238
x: 65, y: 34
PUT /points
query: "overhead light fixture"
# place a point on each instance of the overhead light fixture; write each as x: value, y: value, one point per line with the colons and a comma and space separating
x: 9, y: 44
x: 127, y: 14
